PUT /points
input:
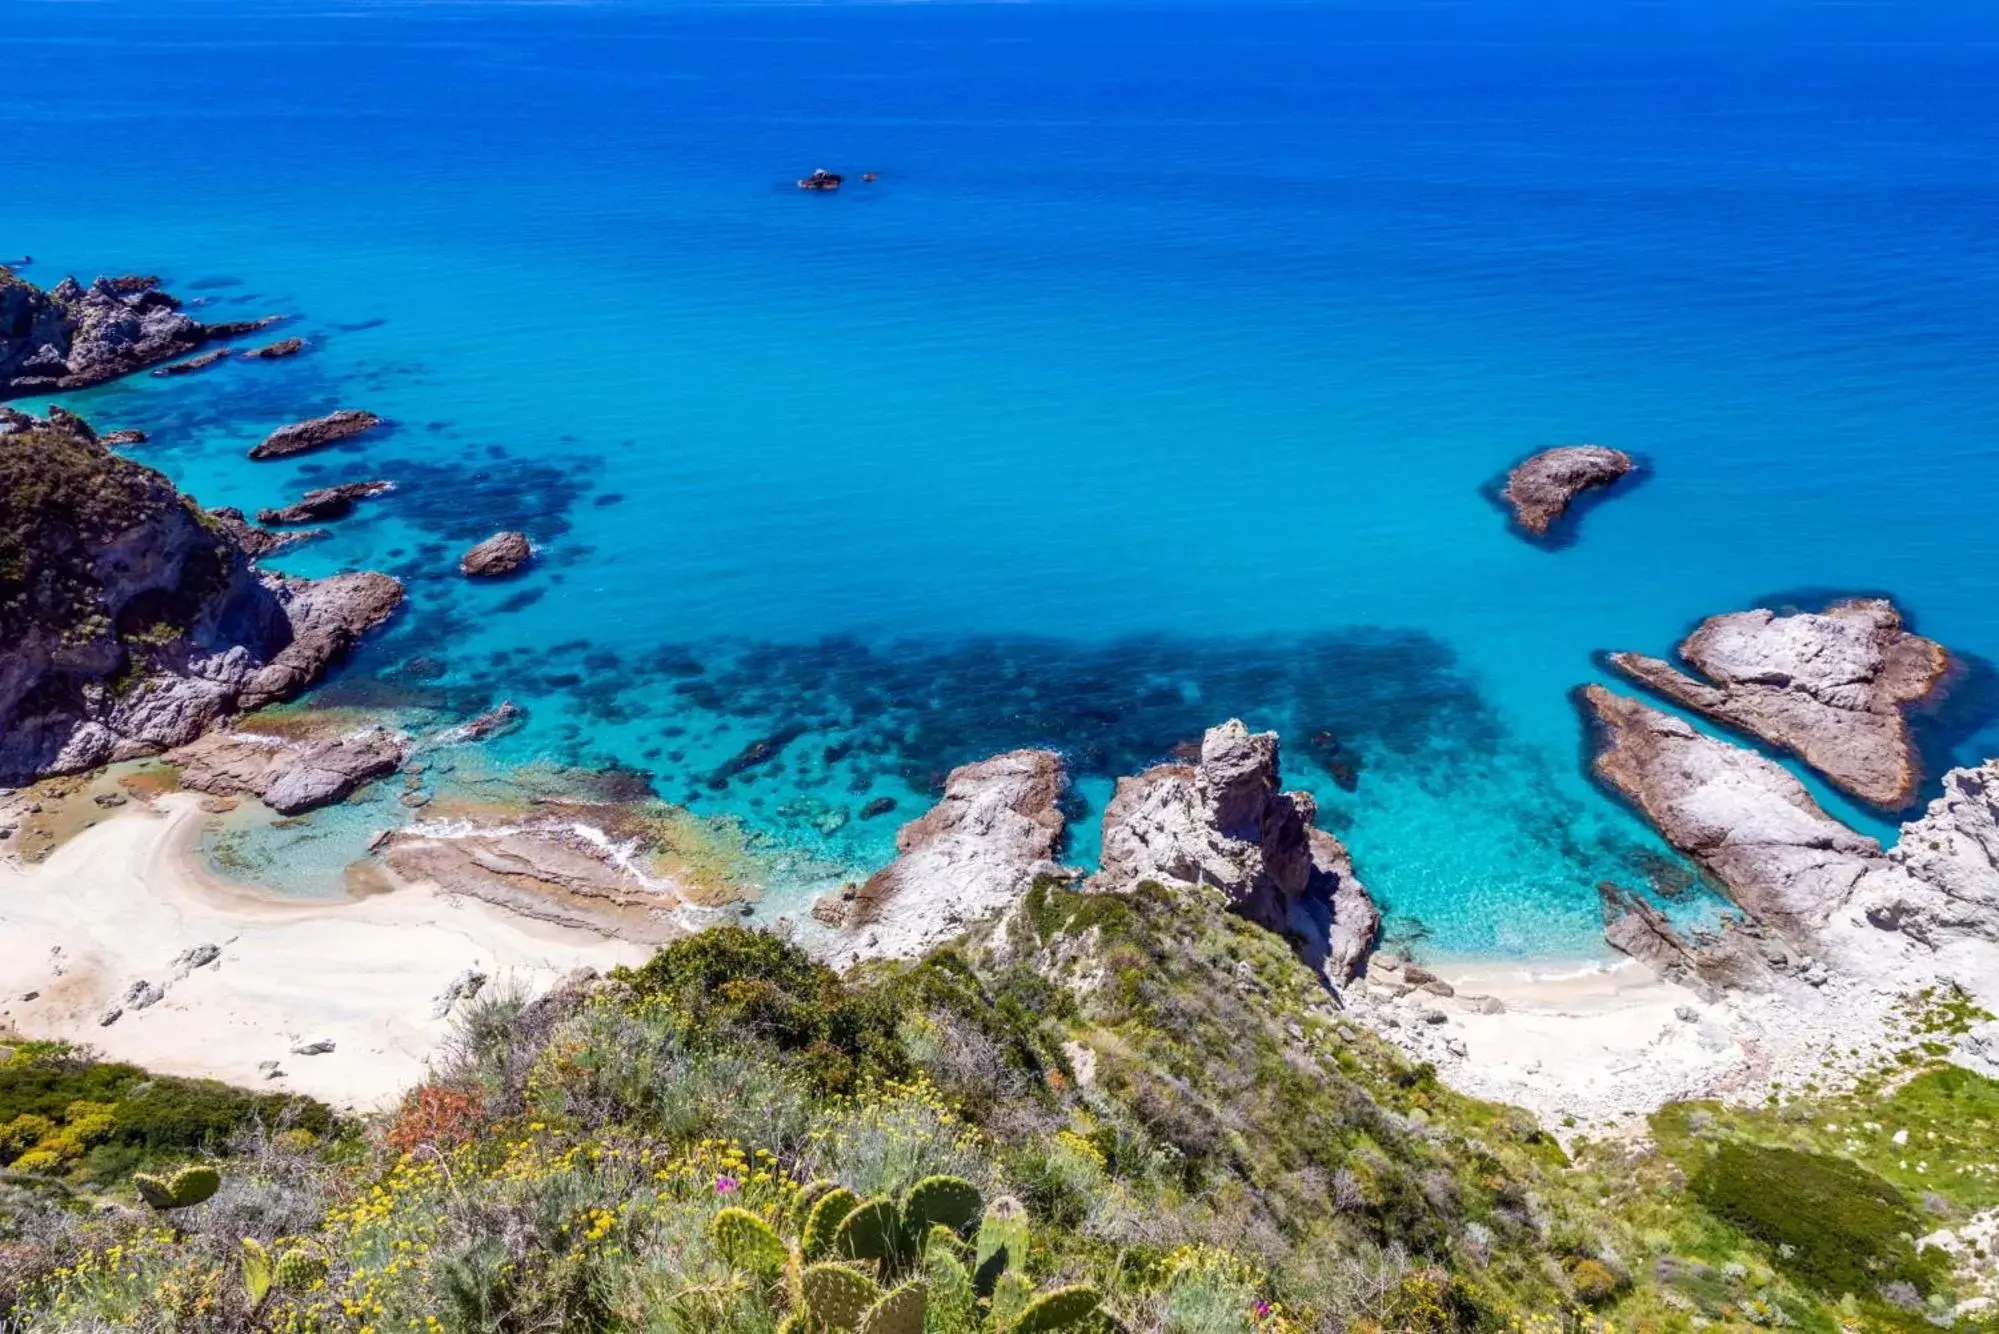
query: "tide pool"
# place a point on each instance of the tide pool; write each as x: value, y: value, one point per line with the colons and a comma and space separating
x: 1155, y: 381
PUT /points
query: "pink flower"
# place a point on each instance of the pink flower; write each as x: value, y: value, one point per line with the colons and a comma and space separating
x: 725, y: 1184
x: 1262, y: 1310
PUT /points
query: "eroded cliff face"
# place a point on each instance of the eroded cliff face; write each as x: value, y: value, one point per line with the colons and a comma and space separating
x: 72, y: 336
x: 131, y: 620
x: 1225, y: 823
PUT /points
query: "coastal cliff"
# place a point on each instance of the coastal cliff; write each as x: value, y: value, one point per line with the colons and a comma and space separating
x: 73, y: 337
x: 133, y: 619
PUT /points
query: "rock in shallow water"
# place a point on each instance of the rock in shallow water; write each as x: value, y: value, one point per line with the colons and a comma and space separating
x: 1540, y: 489
x: 325, y: 504
x: 302, y: 437
x: 291, y: 775
x: 1830, y: 687
x: 500, y: 554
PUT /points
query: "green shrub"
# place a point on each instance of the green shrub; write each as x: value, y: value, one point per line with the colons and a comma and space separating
x: 1828, y: 1223
x: 729, y: 983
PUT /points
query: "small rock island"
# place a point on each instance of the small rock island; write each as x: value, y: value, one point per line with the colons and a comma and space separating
x: 1541, y: 488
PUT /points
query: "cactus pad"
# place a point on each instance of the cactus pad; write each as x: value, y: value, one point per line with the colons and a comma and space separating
x: 182, y: 1190
x: 836, y: 1297
x: 298, y: 1269
x: 871, y: 1232
x: 1057, y: 1310
x: 951, y: 1201
x: 808, y: 1195
x: 827, y: 1213
x: 747, y: 1241
x: 901, y: 1312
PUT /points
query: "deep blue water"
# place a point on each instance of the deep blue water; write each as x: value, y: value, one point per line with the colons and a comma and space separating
x: 1156, y: 380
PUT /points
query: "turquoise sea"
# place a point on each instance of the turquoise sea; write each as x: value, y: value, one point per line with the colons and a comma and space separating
x: 1156, y: 380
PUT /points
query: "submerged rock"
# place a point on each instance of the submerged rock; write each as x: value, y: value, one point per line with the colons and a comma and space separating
x: 193, y: 364
x: 301, y: 437
x: 290, y: 774
x: 500, y: 554
x: 284, y: 347
x: 974, y: 854
x: 325, y: 504
x: 132, y: 620
x: 1541, y: 487
x: 1224, y: 823
x: 1830, y: 687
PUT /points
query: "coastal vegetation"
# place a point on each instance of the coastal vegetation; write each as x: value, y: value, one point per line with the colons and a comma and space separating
x: 1132, y: 1111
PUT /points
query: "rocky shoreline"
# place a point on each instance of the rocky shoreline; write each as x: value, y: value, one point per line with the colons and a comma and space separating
x: 75, y: 337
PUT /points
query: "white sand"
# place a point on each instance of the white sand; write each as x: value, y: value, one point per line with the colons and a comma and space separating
x: 118, y: 902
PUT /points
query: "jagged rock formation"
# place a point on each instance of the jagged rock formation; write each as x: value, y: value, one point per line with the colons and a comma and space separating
x: 1742, y: 817
x: 500, y: 554
x: 284, y: 347
x: 1541, y: 487
x: 1791, y: 867
x: 1830, y: 687
x: 1946, y: 863
x: 257, y: 542
x: 290, y: 774
x: 1224, y: 823
x: 131, y: 620
x: 998, y: 827
x: 302, y: 437
x: 1738, y: 956
x: 72, y: 337
x: 325, y: 504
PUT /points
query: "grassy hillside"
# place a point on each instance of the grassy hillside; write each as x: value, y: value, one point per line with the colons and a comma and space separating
x: 1132, y: 1113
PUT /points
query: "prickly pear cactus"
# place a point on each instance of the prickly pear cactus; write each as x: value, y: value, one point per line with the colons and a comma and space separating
x: 1002, y: 1242
x: 748, y: 1242
x: 1011, y: 1294
x: 181, y: 1190
x: 1056, y: 1310
x: 256, y: 1270
x: 824, y: 1219
x: 298, y: 1269
x: 871, y: 1232
x: 812, y: 1192
x: 900, y: 1312
x: 953, y: 1202
x: 836, y: 1297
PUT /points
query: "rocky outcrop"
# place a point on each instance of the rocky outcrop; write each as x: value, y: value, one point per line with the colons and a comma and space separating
x: 131, y: 621
x: 284, y: 347
x: 325, y: 504
x: 1736, y: 957
x: 501, y: 554
x: 257, y: 542
x: 549, y: 870
x: 1945, y: 879
x: 1791, y: 867
x: 290, y: 774
x: 1224, y: 823
x: 129, y: 436
x: 303, y: 437
x: 1742, y: 817
x: 974, y: 854
x: 73, y: 337
x: 1540, y: 488
x: 1830, y: 687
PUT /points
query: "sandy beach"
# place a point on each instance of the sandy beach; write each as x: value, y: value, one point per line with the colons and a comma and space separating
x: 116, y: 904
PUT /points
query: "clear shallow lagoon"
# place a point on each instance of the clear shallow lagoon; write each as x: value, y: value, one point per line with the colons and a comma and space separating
x: 1155, y: 381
